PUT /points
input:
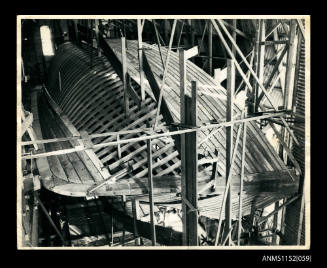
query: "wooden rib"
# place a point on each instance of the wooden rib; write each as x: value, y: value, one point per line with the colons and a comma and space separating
x: 80, y: 167
x: 88, y: 156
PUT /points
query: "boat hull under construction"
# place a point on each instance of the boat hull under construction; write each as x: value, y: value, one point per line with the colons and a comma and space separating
x: 84, y: 101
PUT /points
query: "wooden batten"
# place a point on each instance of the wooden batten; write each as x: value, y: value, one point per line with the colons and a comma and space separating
x: 42, y: 163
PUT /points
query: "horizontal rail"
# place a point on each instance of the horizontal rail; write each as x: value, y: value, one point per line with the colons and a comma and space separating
x: 146, y: 137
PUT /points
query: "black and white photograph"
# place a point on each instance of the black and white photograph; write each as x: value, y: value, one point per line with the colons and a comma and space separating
x: 163, y: 132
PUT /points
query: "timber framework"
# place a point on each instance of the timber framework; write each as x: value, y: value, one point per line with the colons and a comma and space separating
x: 163, y: 132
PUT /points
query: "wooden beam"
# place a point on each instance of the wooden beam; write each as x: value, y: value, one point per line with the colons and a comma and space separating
x: 269, y: 182
x: 190, y: 159
x: 241, y: 185
x: 42, y: 163
x: 180, y: 34
x: 97, y: 32
x: 210, y: 48
x: 142, y: 138
x: 124, y: 74
x: 139, y: 42
x: 150, y: 185
x: 158, y: 42
x: 164, y: 74
x: 261, y: 59
x: 227, y: 185
x: 164, y: 110
x: 229, y: 138
x: 135, y: 206
x: 301, y: 27
x: 59, y: 79
x: 26, y: 124
x: 273, y: 29
x: 291, y: 63
x: 182, y: 71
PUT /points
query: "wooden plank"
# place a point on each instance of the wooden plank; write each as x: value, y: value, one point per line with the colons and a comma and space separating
x: 191, y: 170
x: 150, y: 185
x: 301, y: 28
x: 261, y: 59
x: 42, y: 163
x: 182, y: 73
x: 229, y: 138
x: 164, y: 110
x: 124, y: 75
x: 268, y: 182
x: 291, y: 63
x: 241, y: 186
x: 165, y: 73
x: 191, y: 52
x: 135, y: 208
x: 139, y: 39
x: 210, y: 47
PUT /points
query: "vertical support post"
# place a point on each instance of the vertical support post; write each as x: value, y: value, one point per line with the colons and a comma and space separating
x: 150, y: 184
x: 229, y: 139
x: 76, y: 31
x: 242, y: 179
x: 124, y: 63
x: 123, y: 200
x: 111, y: 223
x: 291, y: 63
x: 289, y: 79
x: 59, y: 79
x: 261, y: 57
x: 275, y: 223
x: 118, y: 147
x: 234, y: 35
x: 256, y: 66
x: 35, y: 223
x: 96, y: 23
x: 192, y: 36
x: 182, y: 72
x: 191, y: 170
x: 139, y: 38
x: 210, y: 47
x: 135, y: 205
x: 90, y: 30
